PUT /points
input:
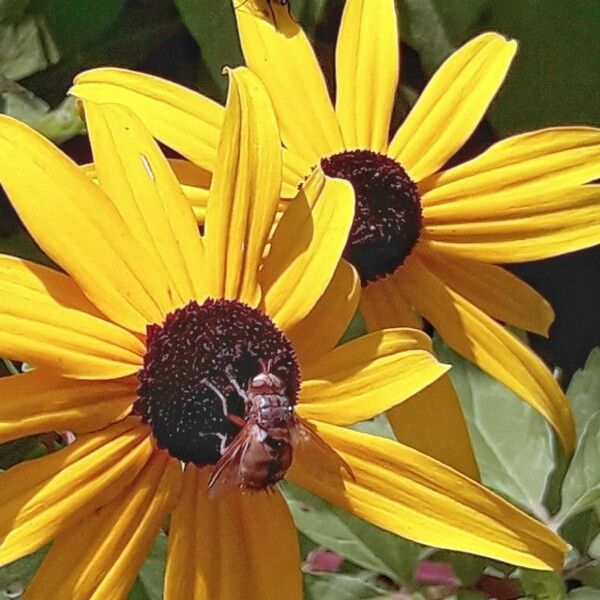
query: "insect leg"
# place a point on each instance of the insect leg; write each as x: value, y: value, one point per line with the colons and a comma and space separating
x: 235, y: 384
x: 220, y: 396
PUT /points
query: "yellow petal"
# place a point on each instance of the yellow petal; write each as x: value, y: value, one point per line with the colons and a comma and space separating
x: 518, y: 169
x: 180, y: 118
x: 240, y: 546
x: 79, y: 228
x: 41, y: 323
x: 415, y: 496
x: 38, y: 278
x: 323, y: 327
x: 432, y: 422
x: 452, y: 104
x: 41, y: 401
x: 367, y: 67
x: 494, y: 290
x: 306, y: 248
x: 284, y: 60
x: 41, y: 498
x: 137, y: 178
x: 100, y: 556
x: 295, y: 170
x: 382, y: 305
x: 367, y: 376
x: 563, y: 221
x: 477, y: 337
x: 245, y: 190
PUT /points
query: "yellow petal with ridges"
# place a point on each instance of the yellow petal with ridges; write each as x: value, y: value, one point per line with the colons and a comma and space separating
x: 41, y: 324
x: 382, y: 305
x: 452, y: 104
x: 135, y: 175
x: 41, y: 401
x: 367, y: 67
x: 520, y: 168
x: 323, y: 327
x: 432, y: 422
x: 415, y: 496
x: 100, y: 556
x: 179, y: 117
x: 240, y: 546
x: 41, y: 498
x: 244, y: 192
x: 367, y: 376
x: 79, y: 228
x: 477, y: 337
x: 565, y: 220
x: 282, y: 57
x: 306, y: 248
x: 59, y: 287
x: 494, y: 290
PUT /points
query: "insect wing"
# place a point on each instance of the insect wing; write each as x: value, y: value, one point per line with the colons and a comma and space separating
x: 226, y: 476
x: 303, y: 433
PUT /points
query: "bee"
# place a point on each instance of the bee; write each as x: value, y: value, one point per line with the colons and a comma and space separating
x: 262, y: 452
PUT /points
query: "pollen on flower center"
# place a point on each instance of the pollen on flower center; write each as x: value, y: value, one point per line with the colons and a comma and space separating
x: 186, y: 378
x: 387, y: 218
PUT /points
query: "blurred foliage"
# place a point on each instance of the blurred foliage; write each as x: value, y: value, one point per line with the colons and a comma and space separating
x: 44, y: 43
x: 554, y: 80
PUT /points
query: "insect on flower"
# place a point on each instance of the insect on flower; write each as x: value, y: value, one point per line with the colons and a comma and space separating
x: 269, y: 7
x: 262, y: 452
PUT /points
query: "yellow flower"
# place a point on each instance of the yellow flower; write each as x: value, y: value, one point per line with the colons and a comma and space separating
x: 424, y: 240
x: 140, y: 345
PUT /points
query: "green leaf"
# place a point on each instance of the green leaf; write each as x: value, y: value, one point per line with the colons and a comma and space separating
x: 152, y: 573
x: 554, y: 74
x: 581, y: 485
x: 467, y: 567
x: 17, y: 451
x: 338, y: 586
x: 581, y: 530
x: 542, y: 585
x: 16, y: 576
x: 379, y: 426
x: 422, y: 28
x: 26, y: 47
x: 143, y: 25
x: 590, y: 576
x: 363, y: 544
x: 12, y: 10
x: 584, y: 593
x: 468, y: 595
x: 76, y: 23
x: 584, y: 390
x: 309, y: 13
x: 512, y: 442
x: 356, y: 329
x: 59, y: 124
x: 594, y: 547
x: 212, y: 25
x: 137, y: 592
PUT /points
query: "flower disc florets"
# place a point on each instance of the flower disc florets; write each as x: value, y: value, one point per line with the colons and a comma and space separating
x: 197, y: 350
x: 387, y: 218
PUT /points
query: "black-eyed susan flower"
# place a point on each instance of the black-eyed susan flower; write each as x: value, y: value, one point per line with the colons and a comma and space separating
x: 425, y: 240
x: 143, y: 346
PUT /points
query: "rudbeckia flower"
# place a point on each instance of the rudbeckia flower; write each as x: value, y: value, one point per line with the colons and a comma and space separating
x: 143, y: 347
x: 425, y: 240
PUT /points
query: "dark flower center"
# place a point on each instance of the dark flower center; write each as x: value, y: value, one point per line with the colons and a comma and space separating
x: 186, y: 381
x: 387, y: 218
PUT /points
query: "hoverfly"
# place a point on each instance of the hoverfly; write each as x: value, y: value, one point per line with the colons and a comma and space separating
x: 262, y: 452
